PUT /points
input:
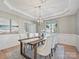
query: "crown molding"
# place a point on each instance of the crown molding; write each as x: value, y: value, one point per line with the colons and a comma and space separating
x: 66, y: 11
x: 15, y: 9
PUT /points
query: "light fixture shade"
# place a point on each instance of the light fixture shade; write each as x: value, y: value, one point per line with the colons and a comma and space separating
x: 42, y: 1
x: 40, y: 20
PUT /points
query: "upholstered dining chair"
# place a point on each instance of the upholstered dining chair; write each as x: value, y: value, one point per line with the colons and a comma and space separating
x: 22, y: 36
x: 54, y: 44
x: 53, y: 48
x: 36, y: 34
x: 45, y: 50
x: 31, y: 35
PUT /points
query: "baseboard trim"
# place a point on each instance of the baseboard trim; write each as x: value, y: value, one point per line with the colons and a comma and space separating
x: 65, y: 44
x: 69, y: 45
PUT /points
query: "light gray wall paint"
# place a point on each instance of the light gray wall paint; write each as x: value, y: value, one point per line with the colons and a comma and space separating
x: 66, y: 24
x: 77, y: 23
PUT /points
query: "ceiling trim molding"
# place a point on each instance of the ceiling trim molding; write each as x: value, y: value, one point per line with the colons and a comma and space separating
x: 15, y: 9
x: 66, y: 12
x: 60, y: 14
x: 56, y: 15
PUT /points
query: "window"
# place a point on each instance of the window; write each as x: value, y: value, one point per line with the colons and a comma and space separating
x: 51, y: 26
x: 30, y: 27
x: 8, y: 26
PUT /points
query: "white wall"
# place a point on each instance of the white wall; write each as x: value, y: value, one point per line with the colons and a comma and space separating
x: 77, y: 43
x: 69, y: 39
x: 20, y: 21
x: 77, y: 30
x: 77, y: 23
x: 9, y: 40
x: 66, y: 25
x: 66, y: 30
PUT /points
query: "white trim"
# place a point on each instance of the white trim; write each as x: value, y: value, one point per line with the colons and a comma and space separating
x: 65, y: 12
x: 15, y: 9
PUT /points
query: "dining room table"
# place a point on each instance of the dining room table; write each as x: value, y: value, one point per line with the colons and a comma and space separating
x: 34, y: 44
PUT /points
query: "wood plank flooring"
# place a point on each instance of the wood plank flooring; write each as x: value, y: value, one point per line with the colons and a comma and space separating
x: 3, y: 53
x: 70, y: 51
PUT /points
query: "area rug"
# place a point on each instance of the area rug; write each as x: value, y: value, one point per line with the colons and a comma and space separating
x: 15, y: 54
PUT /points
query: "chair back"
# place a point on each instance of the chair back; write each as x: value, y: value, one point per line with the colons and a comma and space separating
x: 22, y: 36
x: 36, y: 34
x: 31, y: 35
x: 48, y: 43
x: 54, y: 40
x: 46, y: 49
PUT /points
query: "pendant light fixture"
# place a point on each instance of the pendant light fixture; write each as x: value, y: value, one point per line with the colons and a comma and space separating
x: 40, y: 19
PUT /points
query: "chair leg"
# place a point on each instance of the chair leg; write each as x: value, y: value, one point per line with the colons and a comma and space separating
x: 40, y: 57
x: 49, y: 56
x: 24, y: 47
x: 31, y: 47
x: 51, y: 52
x: 45, y: 57
x: 55, y: 48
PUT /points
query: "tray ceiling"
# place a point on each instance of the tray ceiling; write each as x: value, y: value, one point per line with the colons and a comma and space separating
x: 50, y: 8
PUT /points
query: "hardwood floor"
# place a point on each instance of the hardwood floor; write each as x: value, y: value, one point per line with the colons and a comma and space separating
x: 3, y: 53
x: 69, y: 50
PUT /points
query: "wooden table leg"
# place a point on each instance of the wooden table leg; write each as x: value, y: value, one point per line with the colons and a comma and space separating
x: 51, y: 52
x: 21, y: 51
x: 34, y: 52
x: 24, y: 48
x: 21, y: 46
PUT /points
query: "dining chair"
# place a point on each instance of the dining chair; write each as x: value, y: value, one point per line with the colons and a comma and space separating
x: 36, y: 34
x: 59, y: 54
x: 22, y: 36
x: 54, y: 44
x: 45, y: 50
x: 31, y: 35
x: 53, y: 48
